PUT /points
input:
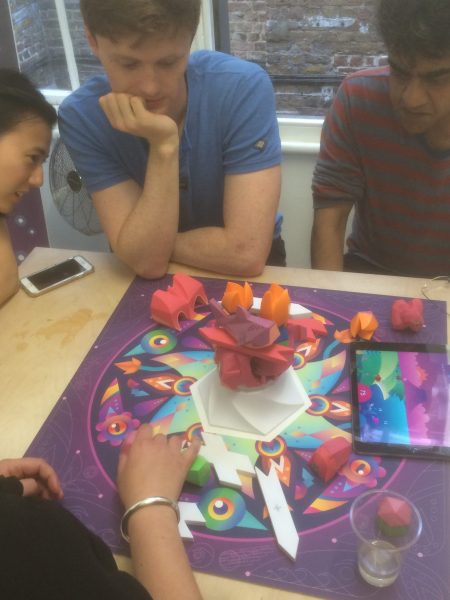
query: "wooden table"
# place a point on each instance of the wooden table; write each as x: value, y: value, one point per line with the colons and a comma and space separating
x: 43, y: 340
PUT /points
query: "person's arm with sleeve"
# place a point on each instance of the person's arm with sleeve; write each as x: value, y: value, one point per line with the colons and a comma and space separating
x: 328, y: 237
x: 240, y: 247
x: 338, y: 183
x: 251, y: 156
x: 154, y: 465
x: 59, y: 555
x: 9, y: 277
x: 141, y: 223
x: 37, y: 477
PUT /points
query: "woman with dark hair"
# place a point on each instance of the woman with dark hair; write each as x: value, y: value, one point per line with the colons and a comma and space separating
x: 26, y: 121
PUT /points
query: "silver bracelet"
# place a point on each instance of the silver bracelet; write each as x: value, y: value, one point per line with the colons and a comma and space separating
x: 146, y: 502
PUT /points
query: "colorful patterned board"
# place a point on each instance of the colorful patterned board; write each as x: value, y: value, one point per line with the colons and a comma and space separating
x: 139, y: 371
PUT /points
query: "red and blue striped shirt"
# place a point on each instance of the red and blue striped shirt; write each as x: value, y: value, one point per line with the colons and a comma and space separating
x: 400, y: 187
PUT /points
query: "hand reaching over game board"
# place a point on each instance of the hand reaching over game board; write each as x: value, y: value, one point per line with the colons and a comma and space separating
x: 38, y: 478
x: 155, y: 467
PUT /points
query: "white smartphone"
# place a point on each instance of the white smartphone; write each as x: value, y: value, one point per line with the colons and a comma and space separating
x: 52, y: 277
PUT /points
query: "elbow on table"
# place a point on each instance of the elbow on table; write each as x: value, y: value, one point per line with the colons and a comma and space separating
x: 255, y: 269
x: 144, y: 267
x: 151, y: 271
x: 249, y: 266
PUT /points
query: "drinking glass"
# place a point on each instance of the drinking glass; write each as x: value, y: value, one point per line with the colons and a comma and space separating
x: 386, y: 525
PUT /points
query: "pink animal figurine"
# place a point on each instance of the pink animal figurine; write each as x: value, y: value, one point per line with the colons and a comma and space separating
x: 407, y: 314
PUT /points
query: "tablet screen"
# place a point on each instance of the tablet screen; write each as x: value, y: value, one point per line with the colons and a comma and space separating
x: 400, y: 398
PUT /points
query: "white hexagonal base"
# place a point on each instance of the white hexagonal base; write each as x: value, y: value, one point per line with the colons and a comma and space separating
x: 259, y: 414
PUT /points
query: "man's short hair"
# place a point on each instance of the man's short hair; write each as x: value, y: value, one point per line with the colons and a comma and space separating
x: 415, y: 28
x: 116, y: 18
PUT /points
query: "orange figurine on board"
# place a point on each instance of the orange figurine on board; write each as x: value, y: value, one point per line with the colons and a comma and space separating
x: 237, y: 295
x: 275, y: 304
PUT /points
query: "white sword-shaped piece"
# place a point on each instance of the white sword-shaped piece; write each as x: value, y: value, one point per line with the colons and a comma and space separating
x: 227, y: 464
x: 280, y: 515
x: 189, y: 513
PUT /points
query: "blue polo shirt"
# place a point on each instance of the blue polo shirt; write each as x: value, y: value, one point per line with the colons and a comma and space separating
x: 230, y: 127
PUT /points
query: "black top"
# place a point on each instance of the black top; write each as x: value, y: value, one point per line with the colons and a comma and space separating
x: 46, y: 553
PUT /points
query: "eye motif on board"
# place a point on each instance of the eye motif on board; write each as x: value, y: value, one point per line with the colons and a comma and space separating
x: 115, y: 427
x: 224, y: 508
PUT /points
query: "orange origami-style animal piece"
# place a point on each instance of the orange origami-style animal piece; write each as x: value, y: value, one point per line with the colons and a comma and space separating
x: 237, y: 295
x: 275, y: 305
x: 363, y: 325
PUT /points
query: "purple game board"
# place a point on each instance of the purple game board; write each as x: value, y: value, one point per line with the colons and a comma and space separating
x: 26, y: 225
x: 139, y: 371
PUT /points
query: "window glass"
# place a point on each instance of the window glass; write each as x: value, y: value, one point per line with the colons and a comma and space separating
x: 41, y: 52
x: 306, y: 46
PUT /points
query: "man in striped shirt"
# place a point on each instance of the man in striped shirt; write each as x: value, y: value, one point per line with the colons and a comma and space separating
x: 385, y: 150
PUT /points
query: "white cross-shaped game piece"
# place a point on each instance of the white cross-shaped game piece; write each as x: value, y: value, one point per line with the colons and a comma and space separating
x: 282, y: 522
x: 189, y: 513
x: 227, y: 464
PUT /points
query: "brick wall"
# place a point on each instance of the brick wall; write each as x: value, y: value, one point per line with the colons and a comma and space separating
x: 39, y: 43
x: 319, y: 40
x: 308, y: 44
x: 31, y: 45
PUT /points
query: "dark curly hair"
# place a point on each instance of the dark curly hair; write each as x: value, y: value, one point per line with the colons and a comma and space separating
x: 20, y: 100
x: 415, y: 28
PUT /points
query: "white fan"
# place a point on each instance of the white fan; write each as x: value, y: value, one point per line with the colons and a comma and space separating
x: 69, y: 193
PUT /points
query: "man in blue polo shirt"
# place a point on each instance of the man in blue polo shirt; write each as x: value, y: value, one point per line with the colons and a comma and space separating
x: 180, y: 153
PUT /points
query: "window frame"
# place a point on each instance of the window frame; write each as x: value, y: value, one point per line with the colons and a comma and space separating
x: 8, y: 55
x: 212, y: 29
